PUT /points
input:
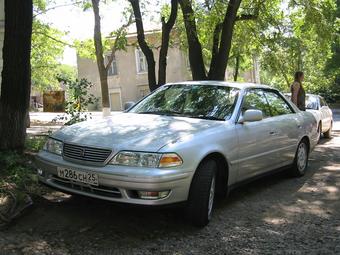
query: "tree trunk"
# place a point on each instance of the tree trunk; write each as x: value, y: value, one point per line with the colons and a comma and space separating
x: 237, y: 66
x: 166, y: 30
x: 222, y: 57
x: 144, y: 46
x: 16, y: 74
x: 100, y: 59
x: 195, y: 48
x: 216, y: 42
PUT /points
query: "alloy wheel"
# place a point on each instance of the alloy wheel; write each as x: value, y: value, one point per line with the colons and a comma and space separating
x: 211, y: 197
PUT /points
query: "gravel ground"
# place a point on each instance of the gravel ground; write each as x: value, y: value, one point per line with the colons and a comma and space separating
x: 274, y: 215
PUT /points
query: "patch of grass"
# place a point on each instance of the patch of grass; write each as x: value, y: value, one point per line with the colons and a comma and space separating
x: 18, y: 170
x: 35, y: 143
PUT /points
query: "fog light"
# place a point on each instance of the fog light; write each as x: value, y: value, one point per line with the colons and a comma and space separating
x: 40, y: 172
x: 151, y: 195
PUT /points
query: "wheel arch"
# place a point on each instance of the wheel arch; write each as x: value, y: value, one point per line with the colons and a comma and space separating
x: 306, y: 138
x: 222, y: 171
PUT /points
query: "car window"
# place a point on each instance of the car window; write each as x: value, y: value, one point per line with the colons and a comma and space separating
x: 312, y: 102
x: 278, y: 106
x: 322, y: 102
x: 255, y: 100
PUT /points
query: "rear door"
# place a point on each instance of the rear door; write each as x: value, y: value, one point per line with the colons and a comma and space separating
x: 326, y: 115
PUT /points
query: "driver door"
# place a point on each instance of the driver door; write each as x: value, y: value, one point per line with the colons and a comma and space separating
x: 257, y: 150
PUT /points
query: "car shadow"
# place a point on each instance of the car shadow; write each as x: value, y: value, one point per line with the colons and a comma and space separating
x: 265, y: 206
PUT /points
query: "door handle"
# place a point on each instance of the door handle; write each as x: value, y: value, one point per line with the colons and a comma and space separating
x: 273, y: 133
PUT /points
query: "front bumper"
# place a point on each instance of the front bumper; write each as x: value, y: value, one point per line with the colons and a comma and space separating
x: 117, y: 183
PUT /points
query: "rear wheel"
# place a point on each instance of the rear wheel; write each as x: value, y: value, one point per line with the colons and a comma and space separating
x: 301, y: 159
x: 319, y: 131
x: 202, y: 193
x: 328, y: 134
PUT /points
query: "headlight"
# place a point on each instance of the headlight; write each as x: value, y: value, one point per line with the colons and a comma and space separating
x: 53, y: 146
x: 146, y: 159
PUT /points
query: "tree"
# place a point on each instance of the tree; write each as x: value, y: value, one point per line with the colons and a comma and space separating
x: 147, y: 50
x: 16, y: 75
x: 299, y: 39
x: 47, y: 48
x: 99, y: 49
x: 221, y: 36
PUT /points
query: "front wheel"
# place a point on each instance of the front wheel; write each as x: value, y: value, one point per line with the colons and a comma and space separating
x: 202, y: 193
x: 301, y: 159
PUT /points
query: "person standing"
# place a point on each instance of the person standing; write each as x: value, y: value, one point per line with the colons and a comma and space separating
x: 298, y: 92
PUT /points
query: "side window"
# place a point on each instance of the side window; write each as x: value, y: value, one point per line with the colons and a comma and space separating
x: 141, y: 63
x: 278, y: 105
x: 113, y: 68
x: 322, y: 102
x: 255, y: 100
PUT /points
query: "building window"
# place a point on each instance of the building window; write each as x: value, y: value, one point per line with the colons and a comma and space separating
x: 141, y: 63
x: 113, y: 68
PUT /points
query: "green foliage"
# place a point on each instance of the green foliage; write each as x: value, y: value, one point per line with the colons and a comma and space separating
x: 35, y: 143
x: 16, y: 170
x: 47, y: 50
x: 286, y: 36
x: 79, y: 100
x: 299, y: 39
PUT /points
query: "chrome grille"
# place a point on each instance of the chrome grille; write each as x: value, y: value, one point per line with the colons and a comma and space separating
x: 83, y: 153
x: 98, y: 190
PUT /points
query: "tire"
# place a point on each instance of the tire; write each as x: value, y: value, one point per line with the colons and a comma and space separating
x: 319, y: 132
x: 201, y: 195
x: 328, y: 134
x: 301, y: 159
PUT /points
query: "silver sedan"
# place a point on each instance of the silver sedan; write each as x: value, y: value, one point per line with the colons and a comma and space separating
x: 184, y: 143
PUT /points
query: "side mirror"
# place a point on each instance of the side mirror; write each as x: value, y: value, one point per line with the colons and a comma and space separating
x: 128, y: 105
x: 251, y: 115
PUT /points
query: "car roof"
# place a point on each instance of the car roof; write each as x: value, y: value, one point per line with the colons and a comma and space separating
x: 308, y: 94
x: 223, y: 83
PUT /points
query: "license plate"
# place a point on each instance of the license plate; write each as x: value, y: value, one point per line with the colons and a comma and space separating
x: 78, y: 176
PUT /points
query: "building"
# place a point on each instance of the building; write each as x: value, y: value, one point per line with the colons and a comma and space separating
x: 128, y: 77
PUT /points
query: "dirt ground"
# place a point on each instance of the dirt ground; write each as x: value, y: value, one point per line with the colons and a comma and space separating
x: 274, y: 215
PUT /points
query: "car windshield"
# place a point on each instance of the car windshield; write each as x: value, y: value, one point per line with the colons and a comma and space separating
x: 311, y: 102
x: 194, y: 101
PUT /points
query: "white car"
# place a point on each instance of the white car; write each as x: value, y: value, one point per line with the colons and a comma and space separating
x: 183, y: 143
x: 323, y: 114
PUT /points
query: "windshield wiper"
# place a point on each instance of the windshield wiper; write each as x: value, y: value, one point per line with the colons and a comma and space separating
x: 206, y: 117
x: 168, y: 113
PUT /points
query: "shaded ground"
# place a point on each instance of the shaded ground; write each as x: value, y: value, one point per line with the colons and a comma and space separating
x: 275, y: 215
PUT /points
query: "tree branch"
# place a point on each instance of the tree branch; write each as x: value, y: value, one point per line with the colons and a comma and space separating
x: 166, y: 30
x: 144, y: 45
x: 115, y: 45
x: 247, y: 17
x: 54, y: 39
x: 55, y: 7
x: 216, y: 42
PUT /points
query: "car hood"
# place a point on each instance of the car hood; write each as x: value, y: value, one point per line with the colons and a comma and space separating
x: 130, y: 131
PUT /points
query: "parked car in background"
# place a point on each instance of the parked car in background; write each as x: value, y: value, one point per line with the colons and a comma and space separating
x: 323, y: 114
x: 183, y: 143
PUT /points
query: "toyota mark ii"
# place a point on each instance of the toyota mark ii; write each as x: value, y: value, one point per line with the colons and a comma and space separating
x: 184, y: 143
